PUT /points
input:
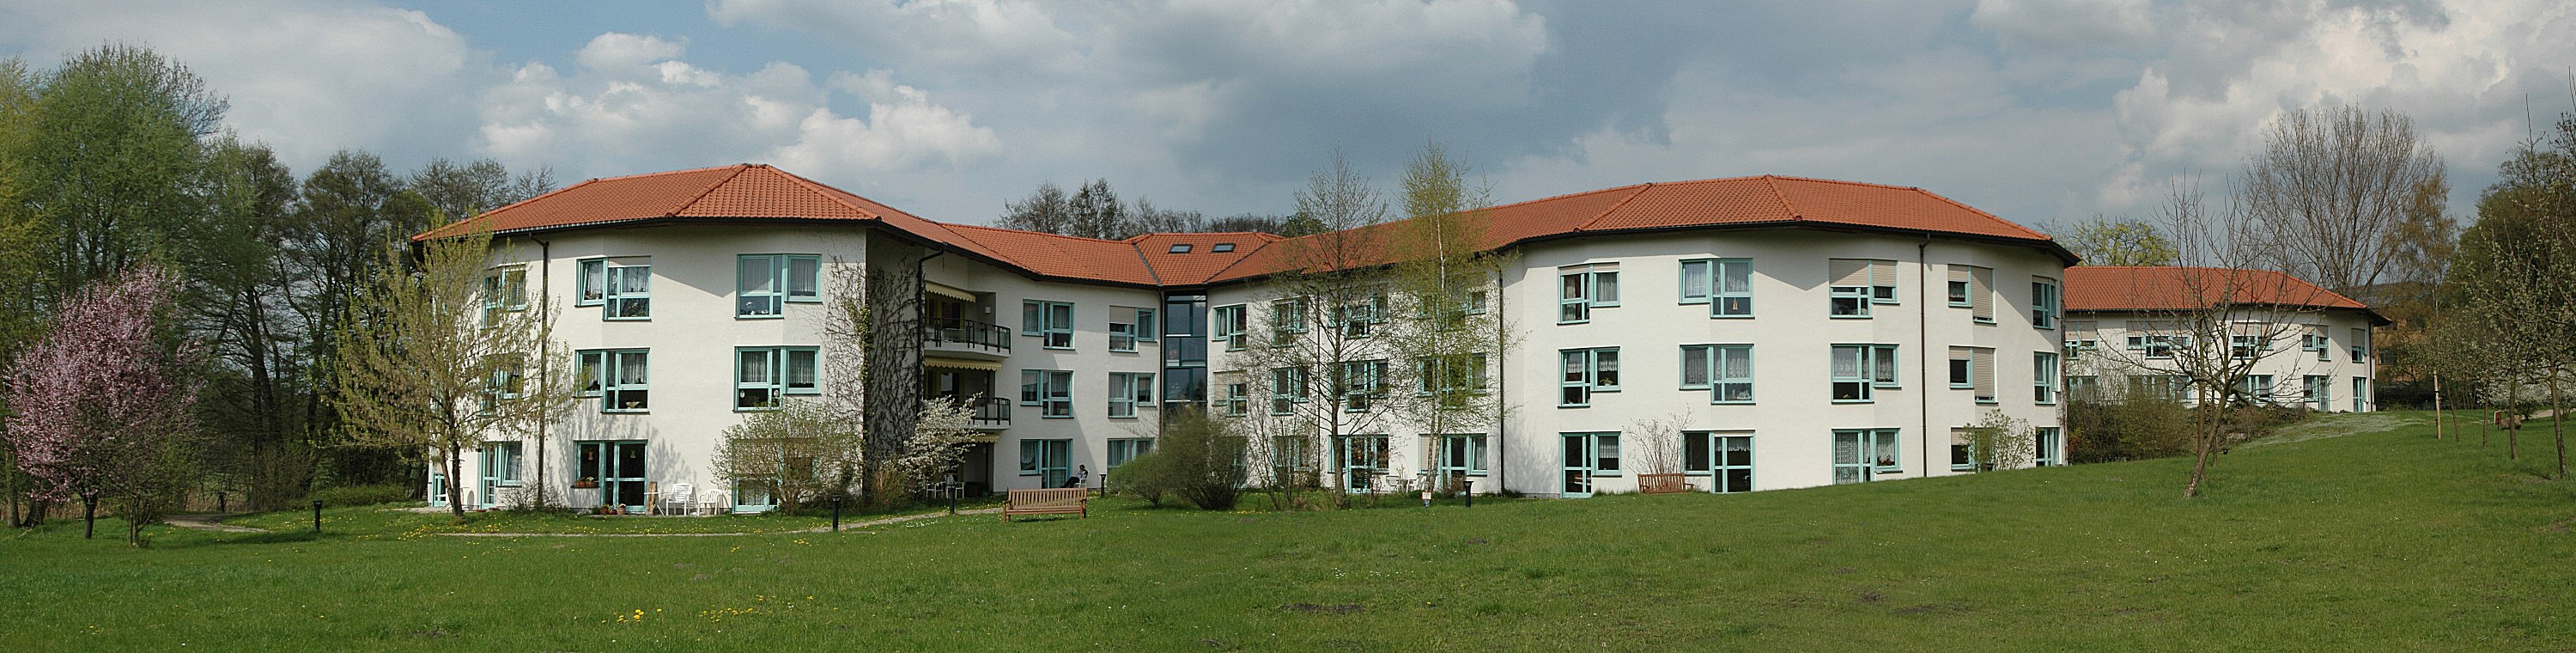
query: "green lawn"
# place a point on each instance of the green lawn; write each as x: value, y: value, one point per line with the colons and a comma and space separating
x: 2374, y: 541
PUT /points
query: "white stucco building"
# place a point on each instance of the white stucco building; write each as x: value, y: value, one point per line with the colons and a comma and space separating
x: 1810, y: 332
x: 2292, y: 342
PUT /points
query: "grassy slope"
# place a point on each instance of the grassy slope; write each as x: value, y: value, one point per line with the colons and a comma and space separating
x: 2387, y: 541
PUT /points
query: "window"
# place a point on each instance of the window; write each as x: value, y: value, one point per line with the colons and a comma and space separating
x: 1287, y: 318
x: 1725, y: 457
x: 500, y: 466
x: 1724, y: 370
x: 623, y: 288
x: 2360, y: 345
x: 2043, y: 302
x: 1358, y: 319
x: 2165, y: 387
x: 1861, y: 455
x: 1362, y: 383
x: 1221, y: 248
x: 2082, y: 336
x: 2319, y: 391
x: 1859, y: 368
x: 1462, y: 455
x: 1050, y: 320
x: 1124, y: 335
x: 2083, y: 387
x: 2244, y: 346
x: 1122, y: 450
x: 2043, y: 378
x: 2256, y: 387
x: 1226, y: 326
x: 1882, y: 281
x: 1848, y: 287
x: 1127, y: 390
x: 504, y: 289
x: 1050, y: 390
x: 1973, y: 287
x: 1581, y: 288
x: 1588, y: 371
x: 2360, y: 394
x: 618, y: 378
x: 1696, y: 280
x: 590, y: 284
x: 1049, y: 460
x: 1453, y: 378
x: 506, y: 376
x: 2051, y: 443
x: 763, y: 283
x: 1963, y: 451
x: 1973, y: 368
x: 2314, y: 340
x: 1287, y: 389
x: 762, y: 376
x: 1180, y: 248
x: 2157, y: 345
x: 1238, y: 399
x: 1734, y: 289
x: 1963, y: 368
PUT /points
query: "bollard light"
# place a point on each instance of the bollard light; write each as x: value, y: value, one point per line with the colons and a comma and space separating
x: 836, y: 513
x: 317, y: 517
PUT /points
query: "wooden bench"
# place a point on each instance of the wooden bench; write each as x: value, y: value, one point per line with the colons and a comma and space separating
x: 1053, y: 501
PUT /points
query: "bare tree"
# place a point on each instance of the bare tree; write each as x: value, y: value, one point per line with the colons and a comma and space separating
x: 1316, y: 362
x: 1445, y: 280
x: 440, y: 356
x: 1999, y: 441
x: 2330, y: 190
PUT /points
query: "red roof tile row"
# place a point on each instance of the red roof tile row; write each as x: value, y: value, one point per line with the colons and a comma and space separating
x: 2123, y: 288
x: 753, y: 191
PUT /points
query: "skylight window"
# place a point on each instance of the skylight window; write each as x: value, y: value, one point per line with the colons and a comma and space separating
x: 1221, y: 248
x: 1180, y: 248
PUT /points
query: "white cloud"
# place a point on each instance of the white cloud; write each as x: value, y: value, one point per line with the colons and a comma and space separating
x: 307, y: 78
x: 2066, y: 24
x: 636, y: 105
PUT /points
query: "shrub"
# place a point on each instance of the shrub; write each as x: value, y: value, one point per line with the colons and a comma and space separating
x: 1197, y: 458
x: 361, y: 495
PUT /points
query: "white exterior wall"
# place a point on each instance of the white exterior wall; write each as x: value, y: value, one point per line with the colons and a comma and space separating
x: 693, y: 333
x: 1793, y: 416
x: 690, y: 337
x: 1095, y: 306
x: 2287, y: 362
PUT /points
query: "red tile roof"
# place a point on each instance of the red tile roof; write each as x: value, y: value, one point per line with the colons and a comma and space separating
x: 2122, y: 288
x: 762, y: 192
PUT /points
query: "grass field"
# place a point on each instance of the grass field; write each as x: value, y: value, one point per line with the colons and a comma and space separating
x: 2374, y: 541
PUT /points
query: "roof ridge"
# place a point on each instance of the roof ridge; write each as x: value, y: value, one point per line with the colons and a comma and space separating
x: 1615, y: 206
x: 1150, y: 273
x: 1978, y: 211
x: 818, y: 187
x: 711, y: 189
x: 1772, y: 182
x: 642, y: 175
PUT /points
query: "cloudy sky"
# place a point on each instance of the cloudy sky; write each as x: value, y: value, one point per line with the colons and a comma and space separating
x: 2036, y: 110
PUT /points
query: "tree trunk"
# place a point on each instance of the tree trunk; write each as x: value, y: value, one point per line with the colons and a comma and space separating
x: 455, y: 486
x: 89, y: 517
x: 2558, y: 424
x: 2437, y: 406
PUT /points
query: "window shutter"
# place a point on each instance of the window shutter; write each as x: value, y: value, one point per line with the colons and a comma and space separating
x: 1848, y: 272
x: 1982, y: 366
x: 1958, y: 272
x: 2082, y: 330
x: 1882, y: 272
x: 1981, y: 293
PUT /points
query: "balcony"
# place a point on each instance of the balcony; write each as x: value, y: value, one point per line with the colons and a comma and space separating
x: 965, y: 338
x: 991, y: 413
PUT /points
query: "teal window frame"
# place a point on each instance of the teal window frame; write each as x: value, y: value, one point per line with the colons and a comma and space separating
x: 2044, y: 298
x: 1128, y: 391
x: 1453, y: 377
x: 2244, y: 347
x: 1051, y: 391
x: 1122, y: 336
x: 1361, y: 384
x: 1359, y: 319
x: 2320, y: 391
x: 1050, y: 459
x: 2314, y: 341
x: 775, y: 377
x: 505, y: 289
x: 1875, y: 452
x: 2256, y: 387
x: 1848, y: 302
x: 1238, y: 399
x: 620, y: 378
x: 2360, y: 345
x: 1699, y: 280
x: 590, y: 282
x: 1725, y: 370
x: 1726, y: 457
x: 1050, y: 320
x: 1584, y: 288
x: 1731, y: 287
x: 1461, y: 455
x: 1287, y: 389
x: 2360, y: 394
x: 1121, y: 450
x: 2051, y: 442
x: 785, y: 279
x: 629, y: 293
x: 1226, y: 324
x: 1865, y: 374
x: 1587, y: 372
x: 1957, y: 291
x: 2043, y: 377
x: 1287, y: 320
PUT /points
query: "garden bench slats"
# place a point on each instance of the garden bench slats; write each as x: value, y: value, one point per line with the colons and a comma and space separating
x: 1053, y: 501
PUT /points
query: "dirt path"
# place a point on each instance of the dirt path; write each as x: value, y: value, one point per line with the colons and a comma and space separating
x: 208, y: 523
x: 817, y: 529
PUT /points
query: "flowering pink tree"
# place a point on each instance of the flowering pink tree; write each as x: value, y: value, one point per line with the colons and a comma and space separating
x: 100, y: 409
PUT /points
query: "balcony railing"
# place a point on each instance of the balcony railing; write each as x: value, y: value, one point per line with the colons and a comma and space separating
x: 952, y: 332
x: 992, y: 412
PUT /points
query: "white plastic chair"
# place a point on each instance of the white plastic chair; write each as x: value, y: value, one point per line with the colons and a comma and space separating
x: 680, y: 500
x: 712, y: 501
